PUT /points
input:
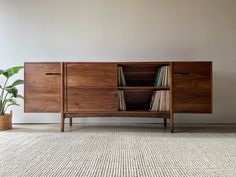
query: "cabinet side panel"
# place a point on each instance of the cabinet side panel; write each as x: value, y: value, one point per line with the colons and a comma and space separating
x: 42, y: 87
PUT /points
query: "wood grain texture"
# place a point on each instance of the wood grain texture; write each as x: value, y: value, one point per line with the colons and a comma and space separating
x: 143, y: 88
x: 42, y: 90
x: 192, y: 87
x: 192, y: 101
x: 192, y: 67
x: 89, y: 89
x: 87, y: 99
x: 91, y: 74
x: 138, y: 99
x: 135, y: 114
x: 138, y: 74
x: 171, y: 98
x: 62, y: 95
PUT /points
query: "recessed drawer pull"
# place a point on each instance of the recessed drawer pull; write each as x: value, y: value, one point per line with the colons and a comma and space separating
x: 55, y: 74
x: 180, y: 74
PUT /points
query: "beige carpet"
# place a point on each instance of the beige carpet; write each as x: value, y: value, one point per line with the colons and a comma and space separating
x: 117, y: 151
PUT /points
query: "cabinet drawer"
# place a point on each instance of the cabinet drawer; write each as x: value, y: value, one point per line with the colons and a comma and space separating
x: 42, y: 87
x: 192, y: 101
x: 91, y: 100
x: 192, y: 75
x: 91, y: 74
x: 192, y: 87
x: 192, y: 68
x: 191, y: 82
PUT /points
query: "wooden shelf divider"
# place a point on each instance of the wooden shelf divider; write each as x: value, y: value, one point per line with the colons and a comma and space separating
x: 143, y: 88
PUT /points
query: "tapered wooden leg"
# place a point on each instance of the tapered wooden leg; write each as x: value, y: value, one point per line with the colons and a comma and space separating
x: 172, y: 123
x: 70, y: 119
x: 62, y: 98
x: 165, y: 122
x: 62, y: 122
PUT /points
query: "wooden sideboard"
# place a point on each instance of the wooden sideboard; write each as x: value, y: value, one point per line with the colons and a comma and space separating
x: 89, y: 89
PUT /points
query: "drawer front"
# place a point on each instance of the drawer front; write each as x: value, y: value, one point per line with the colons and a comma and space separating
x: 192, y: 87
x: 42, y: 87
x: 192, y: 101
x: 91, y: 100
x: 201, y: 68
x: 191, y: 82
x: 91, y: 74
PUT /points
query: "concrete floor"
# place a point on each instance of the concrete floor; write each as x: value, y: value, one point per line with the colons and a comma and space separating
x: 179, y: 128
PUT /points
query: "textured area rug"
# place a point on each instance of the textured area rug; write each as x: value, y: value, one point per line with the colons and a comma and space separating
x: 117, y: 152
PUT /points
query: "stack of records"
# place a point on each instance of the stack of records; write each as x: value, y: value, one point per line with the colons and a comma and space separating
x: 160, y: 101
x: 121, y: 77
x: 161, y: 79
x: 121, y: 101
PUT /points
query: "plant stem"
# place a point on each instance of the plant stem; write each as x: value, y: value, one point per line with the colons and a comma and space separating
x: 4, y: 87
x: 2, y: 95
x: 4, y: 104
x: 6, y: 108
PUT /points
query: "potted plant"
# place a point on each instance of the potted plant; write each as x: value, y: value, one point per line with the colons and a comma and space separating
x: 8, y: 95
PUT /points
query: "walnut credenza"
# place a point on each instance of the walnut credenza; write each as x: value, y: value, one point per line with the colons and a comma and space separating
x: 89, y: 89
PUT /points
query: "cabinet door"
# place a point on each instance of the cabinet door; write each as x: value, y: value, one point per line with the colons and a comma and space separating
x: 192, y: 87
x: 42, y: 87
x: 91, y: 100
x: 91, y: 74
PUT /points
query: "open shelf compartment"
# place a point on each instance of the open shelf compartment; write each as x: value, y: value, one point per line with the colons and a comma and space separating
x: 140, y: 100
x: 141, y: 75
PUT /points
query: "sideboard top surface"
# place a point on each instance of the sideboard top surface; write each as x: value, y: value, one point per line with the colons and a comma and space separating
x: 122, y: 62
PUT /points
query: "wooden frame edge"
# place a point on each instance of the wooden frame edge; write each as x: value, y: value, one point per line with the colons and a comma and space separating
x: 62, y: 98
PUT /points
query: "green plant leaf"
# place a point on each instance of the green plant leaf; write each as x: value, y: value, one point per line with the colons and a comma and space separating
x: 20, y: 96
x: 1, y: 108
x: 11, y: 71
x: 8, y: 100
x: 11, y: 101
x: 17, y: 82
x: 12, y: 90
x: 12, y: 104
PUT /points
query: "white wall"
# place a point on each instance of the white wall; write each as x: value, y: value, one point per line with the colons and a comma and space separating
x: 124, y: 30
